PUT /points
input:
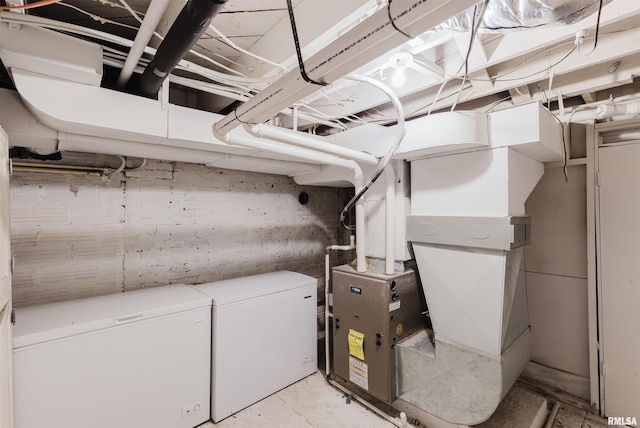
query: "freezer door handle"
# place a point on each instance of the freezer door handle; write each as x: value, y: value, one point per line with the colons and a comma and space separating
x: 129, y: 318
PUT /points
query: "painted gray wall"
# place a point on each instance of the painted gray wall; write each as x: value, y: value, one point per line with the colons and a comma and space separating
x: 556, y: 265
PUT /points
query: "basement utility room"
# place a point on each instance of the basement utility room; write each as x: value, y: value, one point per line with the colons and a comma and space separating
x: 304, y: 213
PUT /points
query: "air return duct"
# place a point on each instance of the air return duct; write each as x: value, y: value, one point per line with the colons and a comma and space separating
x: 190, y: 24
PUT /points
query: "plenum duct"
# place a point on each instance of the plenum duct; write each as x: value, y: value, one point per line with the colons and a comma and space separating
x: 190, y: 24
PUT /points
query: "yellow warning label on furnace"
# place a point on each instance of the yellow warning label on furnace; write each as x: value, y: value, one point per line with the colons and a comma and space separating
x: 356, y: 344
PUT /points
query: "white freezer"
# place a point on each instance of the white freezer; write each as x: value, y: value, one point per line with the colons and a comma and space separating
x: 129, y: 360
x: 264, y: 337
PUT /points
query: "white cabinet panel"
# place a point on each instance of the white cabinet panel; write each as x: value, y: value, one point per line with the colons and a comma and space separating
x: 5, y: 233
x: 6, y: 382
x: 620, y: 275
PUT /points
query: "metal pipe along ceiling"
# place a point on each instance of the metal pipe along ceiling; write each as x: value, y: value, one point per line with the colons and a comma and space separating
x: 190, y: 24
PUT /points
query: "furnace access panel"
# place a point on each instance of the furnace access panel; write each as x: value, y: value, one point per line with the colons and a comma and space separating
x: 372, y: 312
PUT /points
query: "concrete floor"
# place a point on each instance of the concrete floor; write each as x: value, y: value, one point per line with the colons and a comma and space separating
x: 312, y: 402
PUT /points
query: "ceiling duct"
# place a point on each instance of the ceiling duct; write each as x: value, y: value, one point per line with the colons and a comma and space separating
x: 190, y: 24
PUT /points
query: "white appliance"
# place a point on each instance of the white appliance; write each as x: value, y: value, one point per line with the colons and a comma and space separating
x: 264, y: 337
x: 130, y: 360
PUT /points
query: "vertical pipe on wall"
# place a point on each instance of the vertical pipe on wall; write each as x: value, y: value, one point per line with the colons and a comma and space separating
x: 390, y: 200
x: 361, y: 265
x: 327, y: 313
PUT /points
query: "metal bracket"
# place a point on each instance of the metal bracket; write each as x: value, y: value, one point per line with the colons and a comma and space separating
x: 499, y: 233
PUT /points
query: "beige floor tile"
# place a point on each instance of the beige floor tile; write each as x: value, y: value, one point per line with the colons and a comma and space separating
x: 270, y: 412
x: 325, y: 407
x: 593, y: 421
x: 569, y: 417
x: 311, y: 402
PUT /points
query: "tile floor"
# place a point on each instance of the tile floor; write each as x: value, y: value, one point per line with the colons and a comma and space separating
x: 311, y: 402
x: 571, y: 417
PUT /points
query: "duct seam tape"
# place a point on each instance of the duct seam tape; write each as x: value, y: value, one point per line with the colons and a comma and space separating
x: 500, y: 233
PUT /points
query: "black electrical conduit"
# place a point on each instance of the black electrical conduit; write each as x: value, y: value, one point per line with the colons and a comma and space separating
x: 190, y: 24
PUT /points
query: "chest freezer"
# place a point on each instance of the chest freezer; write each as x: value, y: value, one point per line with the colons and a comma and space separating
x: 129, y: 360
x: 264, y: 337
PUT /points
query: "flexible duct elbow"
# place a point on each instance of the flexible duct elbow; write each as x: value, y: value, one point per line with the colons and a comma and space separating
x: 190, y: 24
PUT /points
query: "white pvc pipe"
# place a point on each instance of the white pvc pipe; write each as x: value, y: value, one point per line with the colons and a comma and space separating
x: 361, y: 265
x: 315, y: 157
x: 327, y: 313
x: 314, y: 143
x: 390, y: 200
x: 609, y: 110
x: 145, y: 32
x: 604, y: 109
x: 295, y: 118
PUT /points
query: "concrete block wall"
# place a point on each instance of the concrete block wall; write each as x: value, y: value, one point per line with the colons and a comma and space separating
x: 75, y: 236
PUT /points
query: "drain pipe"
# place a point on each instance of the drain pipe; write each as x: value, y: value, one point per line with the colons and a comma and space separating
x: 315, y: 157
x: 605, y: 109
x: 145, y: 32
x: 327, y: 313
x: 190, y: 24
x: 390, y: 221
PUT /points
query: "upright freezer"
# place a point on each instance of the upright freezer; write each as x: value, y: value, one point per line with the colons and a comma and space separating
x: 129, y: 360
x: 264, y: 337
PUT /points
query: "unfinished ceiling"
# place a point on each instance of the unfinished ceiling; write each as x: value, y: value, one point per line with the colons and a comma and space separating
x: 250, y: 44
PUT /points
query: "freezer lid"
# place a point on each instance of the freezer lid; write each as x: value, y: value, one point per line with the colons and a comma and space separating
x: 41, y: 323
x: 237, y: 289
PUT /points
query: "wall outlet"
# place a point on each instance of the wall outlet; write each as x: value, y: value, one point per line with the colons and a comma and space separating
x: 308, y: 359
x: 192, y: 408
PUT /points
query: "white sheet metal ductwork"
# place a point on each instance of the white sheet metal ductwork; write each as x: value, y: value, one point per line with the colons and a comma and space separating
x: 469, y: 180
x: 50, y: 53
x: 97, y: 120
x: 467, y: 229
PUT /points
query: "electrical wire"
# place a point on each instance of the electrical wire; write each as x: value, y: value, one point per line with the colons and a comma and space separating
x: 474, y: 28
x: 394, y: 147
x: 102, y: 36
x: 595, y: 43
x: 231, y: 44
x: 296, y: 41
x: 537, y: 72
x: 30, y: 5
x: 97, y: 18
x: 399, y: 30
x: 136, y: 16
x: 565, y: 155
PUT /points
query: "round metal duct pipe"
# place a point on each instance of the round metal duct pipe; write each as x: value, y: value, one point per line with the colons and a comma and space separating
x: 190, y: 24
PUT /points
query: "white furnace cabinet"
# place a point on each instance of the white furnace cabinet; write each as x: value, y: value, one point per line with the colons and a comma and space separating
x: 129, y: 360
x: 264, y: 337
